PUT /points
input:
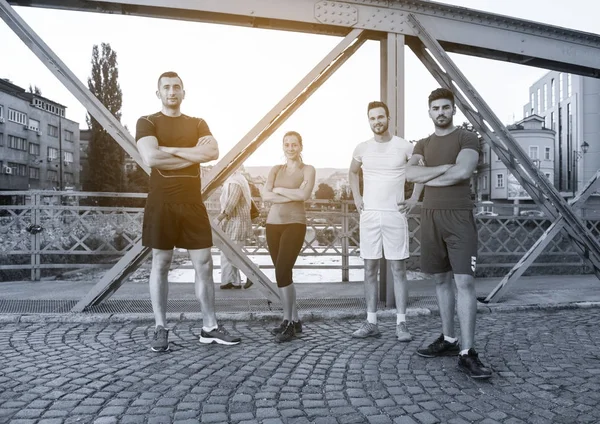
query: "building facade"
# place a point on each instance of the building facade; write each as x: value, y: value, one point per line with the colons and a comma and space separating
x: 39, y: 147
x: 570, y: 105
x: 494, y: 182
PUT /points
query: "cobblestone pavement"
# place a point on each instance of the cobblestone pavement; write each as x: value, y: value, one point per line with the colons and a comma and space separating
x: 546, y: 369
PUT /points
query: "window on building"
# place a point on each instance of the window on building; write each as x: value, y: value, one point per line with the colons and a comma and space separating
x: 34, y: 149
x: 538, y: 101
x: 16, y: 116
x: 69, y: 136
x: 69, y: 178
x: 569, y: 85
x: 484, y: 182
x: 52, y: 153
x: 1, y: 139
x: 17, y: 143
x: 499, y: 180
x: 560, y: 87
x: 34, y: 173
x: 552, y: 121
x: 532, y: 103
x: 34, y: 125
x: 569, y: 125
x: 552, y: 92
x: 52, y: 175
x: 545, y: 97
x: 1, y: 111
x: 68, y: 157
x: 547, y: 153
x: 534, y: 152
x: 52, y: 131
x: 18, y: 169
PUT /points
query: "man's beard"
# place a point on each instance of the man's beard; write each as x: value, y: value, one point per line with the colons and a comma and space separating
x: 380, y: 130
x: 443, y: 124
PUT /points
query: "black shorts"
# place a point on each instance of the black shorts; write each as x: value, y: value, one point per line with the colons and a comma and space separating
x: 448, y: 241
x: 183, y: 225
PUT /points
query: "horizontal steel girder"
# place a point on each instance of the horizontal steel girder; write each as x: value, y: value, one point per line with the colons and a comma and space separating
x: 459, y: 29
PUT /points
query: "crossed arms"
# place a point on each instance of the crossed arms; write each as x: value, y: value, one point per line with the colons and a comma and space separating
x: 442, y: 175
x: 285, y: 195
x: 170, y: 158
x: 353, y: 179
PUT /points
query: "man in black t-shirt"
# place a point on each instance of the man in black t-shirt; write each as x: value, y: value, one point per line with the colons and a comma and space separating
x: 445, y: 162
x: 174, y: 145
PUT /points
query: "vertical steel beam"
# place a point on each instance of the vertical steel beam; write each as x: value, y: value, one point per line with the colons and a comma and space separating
x: 437, y: 61
x: 116, y: 276
x: 70, y: 81
x: 392, y: 93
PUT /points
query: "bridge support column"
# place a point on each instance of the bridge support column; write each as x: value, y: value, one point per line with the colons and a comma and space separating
x: 392, y: 93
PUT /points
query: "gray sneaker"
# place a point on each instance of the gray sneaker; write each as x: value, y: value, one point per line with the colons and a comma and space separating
x: 366, y: 330
x: 402, y: 333
x: 160, y: 342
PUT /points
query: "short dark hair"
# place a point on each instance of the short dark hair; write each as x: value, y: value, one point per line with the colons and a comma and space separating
x: 294, y: 134
x: 375, y: 105
x: 169, y: 74
x: 441, y: 93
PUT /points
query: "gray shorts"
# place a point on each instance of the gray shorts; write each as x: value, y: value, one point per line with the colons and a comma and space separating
x: 448, y: 241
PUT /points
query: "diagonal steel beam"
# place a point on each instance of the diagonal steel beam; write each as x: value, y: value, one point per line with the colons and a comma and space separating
x: 538, y: 247
x: 437, y: 61
x: 71, y: 82
x: 284, y: 108
x: 116, y: 276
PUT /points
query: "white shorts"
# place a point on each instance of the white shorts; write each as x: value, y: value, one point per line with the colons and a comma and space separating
x: 383, y: 233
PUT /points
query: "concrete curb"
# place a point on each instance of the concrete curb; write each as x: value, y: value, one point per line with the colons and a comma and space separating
x: 308, y: 316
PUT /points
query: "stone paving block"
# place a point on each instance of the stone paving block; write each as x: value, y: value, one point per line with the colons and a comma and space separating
x: 426, y: 418
x: 379, y: 419
x: 404, y: 420
x: 29, y: 413
x: 106, y: 420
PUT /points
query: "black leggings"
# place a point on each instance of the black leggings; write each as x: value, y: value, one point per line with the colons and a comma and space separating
x: 285, y: 242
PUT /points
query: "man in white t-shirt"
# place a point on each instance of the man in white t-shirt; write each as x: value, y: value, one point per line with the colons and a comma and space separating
x: 383, y: 209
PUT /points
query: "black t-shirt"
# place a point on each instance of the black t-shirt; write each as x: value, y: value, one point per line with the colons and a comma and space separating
x: 443, y: 150
x: 180, y: 185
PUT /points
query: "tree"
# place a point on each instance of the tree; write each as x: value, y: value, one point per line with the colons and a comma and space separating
x: 106, y: 157
x: 34, y: 90
x: 325, y: 192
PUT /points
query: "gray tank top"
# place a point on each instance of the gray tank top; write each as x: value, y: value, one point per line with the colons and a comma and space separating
x: 290, y: 212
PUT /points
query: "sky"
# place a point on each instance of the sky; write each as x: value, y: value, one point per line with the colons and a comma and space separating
x: 234, y: 75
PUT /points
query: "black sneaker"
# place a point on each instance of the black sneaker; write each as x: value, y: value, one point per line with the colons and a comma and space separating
x: 471, y: 365
x: 160, y: 342
x: 230, y: 286
x: 248, y: 284
x: 218, y: 335
x: 440, y: 347
x: 287, y: 334
x: 279, y: 329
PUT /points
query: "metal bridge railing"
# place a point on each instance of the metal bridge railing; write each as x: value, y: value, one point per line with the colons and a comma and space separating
x: 45, y: 230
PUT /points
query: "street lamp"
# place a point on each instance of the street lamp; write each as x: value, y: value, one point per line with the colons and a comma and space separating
x: 577, y: 155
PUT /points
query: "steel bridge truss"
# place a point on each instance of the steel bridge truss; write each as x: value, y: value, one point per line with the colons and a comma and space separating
x: 430, y: 29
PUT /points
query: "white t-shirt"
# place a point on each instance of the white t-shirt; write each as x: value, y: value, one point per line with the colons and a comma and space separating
x: 384, y: 172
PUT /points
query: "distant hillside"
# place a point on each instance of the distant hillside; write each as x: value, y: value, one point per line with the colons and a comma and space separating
x: 322, y: 173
